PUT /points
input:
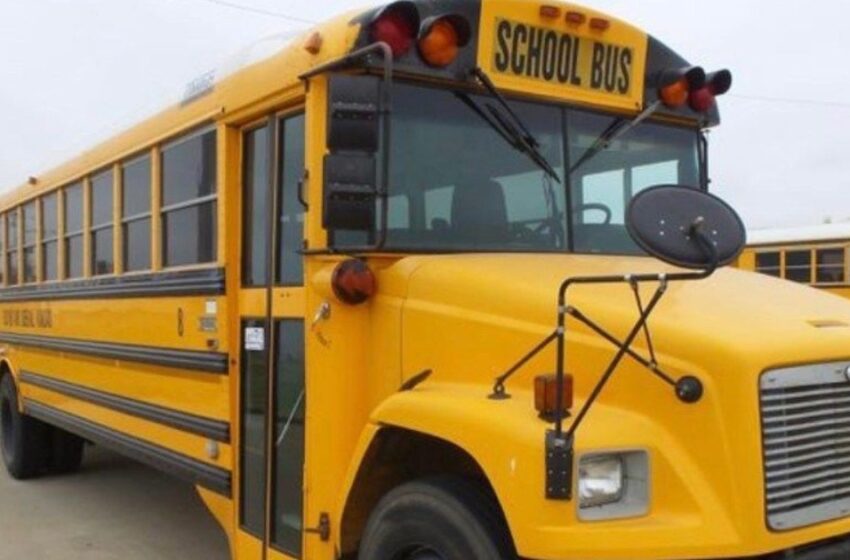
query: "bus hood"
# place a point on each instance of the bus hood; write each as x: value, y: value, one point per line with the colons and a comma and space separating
x: 470, y: 317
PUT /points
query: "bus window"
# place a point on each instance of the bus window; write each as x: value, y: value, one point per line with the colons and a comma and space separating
x: 290, y: 267
x: 603, y: 181
x: 102, y: 259
x: 255, y: 204
x: 136, y: 214
x: 74, y: 231
x: 769, y: 263
x: 30, y: 270
x: 12, y: 253
x: 830, y: 266
x: 49, y: 237
x: 189, y: 200
x: 2, y: 248
x: 798, y: 266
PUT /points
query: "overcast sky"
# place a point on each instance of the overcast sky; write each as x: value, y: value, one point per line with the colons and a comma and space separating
x: 73, y: 72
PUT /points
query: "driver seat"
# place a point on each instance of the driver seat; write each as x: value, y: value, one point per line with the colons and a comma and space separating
x: 479, y: 214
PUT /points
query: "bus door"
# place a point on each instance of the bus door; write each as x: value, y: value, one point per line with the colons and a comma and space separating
x: 272, y: 389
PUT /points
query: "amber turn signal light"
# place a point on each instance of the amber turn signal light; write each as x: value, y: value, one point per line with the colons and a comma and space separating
x: 441, y: 38
x: 676, y: 85
x: 546, y: 396
x: 353, y: 282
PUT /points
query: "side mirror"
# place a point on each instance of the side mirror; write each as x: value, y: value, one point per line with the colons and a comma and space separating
x: 686, y: 227
x: 350, y: 177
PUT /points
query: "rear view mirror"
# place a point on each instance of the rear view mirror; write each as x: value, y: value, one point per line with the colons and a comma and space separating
x: 685, y: 227
x: 350, y: 177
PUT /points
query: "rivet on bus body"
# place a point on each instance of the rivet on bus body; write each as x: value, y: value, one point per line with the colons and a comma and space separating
x: 313, y: 44
x: 212, y: 449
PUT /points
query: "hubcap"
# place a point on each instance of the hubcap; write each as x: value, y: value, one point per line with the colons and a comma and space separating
x: 424, y: 553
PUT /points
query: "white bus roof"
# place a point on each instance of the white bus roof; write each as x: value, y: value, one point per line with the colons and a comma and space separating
x: 803, y: 234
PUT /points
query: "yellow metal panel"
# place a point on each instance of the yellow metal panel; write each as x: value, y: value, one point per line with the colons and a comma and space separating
x: 288, y: 302
x: 191, y: 445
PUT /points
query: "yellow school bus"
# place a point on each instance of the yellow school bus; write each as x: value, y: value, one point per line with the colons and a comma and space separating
x: 813, y: 255
x: 312, y: 289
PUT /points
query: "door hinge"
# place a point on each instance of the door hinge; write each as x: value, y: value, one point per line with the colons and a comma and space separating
x: 323, y: 529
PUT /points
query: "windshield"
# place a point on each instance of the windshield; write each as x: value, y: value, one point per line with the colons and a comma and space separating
x: 456, y: 184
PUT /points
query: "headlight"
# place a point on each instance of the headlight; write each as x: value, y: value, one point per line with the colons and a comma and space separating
x: 613, y: 485
x: 600, y: 480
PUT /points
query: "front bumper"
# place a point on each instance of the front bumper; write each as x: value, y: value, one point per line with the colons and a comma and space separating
x: 834, y: 549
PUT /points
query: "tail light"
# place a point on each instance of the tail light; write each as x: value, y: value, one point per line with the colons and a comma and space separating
x: 396, y: 25
x: 716, y: 83
x: 677, y: 84
x: 441, y: 37
x: 353, y: 282
x: 546, y: 396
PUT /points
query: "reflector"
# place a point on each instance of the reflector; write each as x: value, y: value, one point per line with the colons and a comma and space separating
x: 353, y: 281
x: 396, y: 26
x: 441, y: 37
x: 546, y: 395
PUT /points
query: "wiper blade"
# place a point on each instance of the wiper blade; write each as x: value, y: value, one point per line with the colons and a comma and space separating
x: 615, y: 130
x: 508, y: 124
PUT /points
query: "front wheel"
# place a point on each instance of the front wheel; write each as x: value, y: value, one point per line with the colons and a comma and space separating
x: 444, y: 518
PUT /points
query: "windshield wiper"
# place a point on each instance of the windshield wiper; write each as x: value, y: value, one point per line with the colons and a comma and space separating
x: 614, y: 131
x: 504, y: 120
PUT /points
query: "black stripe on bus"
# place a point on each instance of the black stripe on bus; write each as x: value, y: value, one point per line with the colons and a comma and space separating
x: 212, y: 429
x: 156, y: 284
x: 176, y: 464
x: 214, y: 362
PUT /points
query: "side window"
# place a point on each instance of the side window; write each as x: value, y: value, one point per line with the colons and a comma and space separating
x: 49, y: 237
x: 831, y: 266
x: 189, y: 200
x: 798, y: 266
x: 438, y: 207
x: 136, y: 214
x: 74, y: 231
x: 102, y: 260
x: 769, y: 263
x: 12, y: 253
x: 30, y: 237
x: 290, y: 263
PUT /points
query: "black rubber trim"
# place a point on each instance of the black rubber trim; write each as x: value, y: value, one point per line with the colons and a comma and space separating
x: 197, y: 472
x: 208, y: 281
x: 212, y: 429
x: 213, y: 362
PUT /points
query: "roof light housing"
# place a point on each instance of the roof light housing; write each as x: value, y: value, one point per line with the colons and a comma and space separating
x: 676, y: 84
x: 396, y: 25
x: 442, y: 37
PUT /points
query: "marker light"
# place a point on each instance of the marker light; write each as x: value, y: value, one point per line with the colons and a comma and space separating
x: 550, y: 12
x: 546, y: 395
x: 441, y: 38
x: 716, y: 83
x: 576, y: 18
x: 599, y: 24
x: 396, y: 26
x: 677, y: 83
x: 353, y: 282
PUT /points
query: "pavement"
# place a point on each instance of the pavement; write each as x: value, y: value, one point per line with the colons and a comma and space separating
x: 113, y: 509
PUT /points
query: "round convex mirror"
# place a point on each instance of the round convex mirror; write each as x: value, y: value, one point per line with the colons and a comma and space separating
x: 685, y: 227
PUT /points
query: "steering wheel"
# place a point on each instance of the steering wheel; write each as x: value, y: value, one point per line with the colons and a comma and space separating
x: 596, y: 206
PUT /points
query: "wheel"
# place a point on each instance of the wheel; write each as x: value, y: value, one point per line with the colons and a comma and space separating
x: 445, y: 518
x: 25, y: 439
x: 66, y: 452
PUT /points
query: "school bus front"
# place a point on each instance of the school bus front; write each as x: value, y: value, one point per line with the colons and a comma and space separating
x: 400, y: 196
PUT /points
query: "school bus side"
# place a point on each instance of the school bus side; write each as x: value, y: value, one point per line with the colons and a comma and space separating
x: 818, y: 256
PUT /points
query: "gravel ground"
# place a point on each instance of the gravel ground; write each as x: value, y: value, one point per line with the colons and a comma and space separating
x: 113, y: 509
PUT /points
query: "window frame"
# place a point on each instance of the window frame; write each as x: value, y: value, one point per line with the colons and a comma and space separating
x: 31, y: 245
x: 67, y: 235
x: 163, y: 210
x: 779, y: 268
x: 14, y: 253
x: 44, y: 241
x: 93, y: 229
x: 845, y: 249
x: 125, y: 221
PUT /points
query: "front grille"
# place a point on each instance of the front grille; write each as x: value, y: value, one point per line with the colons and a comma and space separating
x: 806, y: 437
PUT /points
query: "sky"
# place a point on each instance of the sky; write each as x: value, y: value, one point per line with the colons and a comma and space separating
x: 74, y: 72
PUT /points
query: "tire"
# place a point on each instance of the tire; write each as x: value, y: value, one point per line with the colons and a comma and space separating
x: 25, y: 440
x: 66, y: 452
x: 443, y: 518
